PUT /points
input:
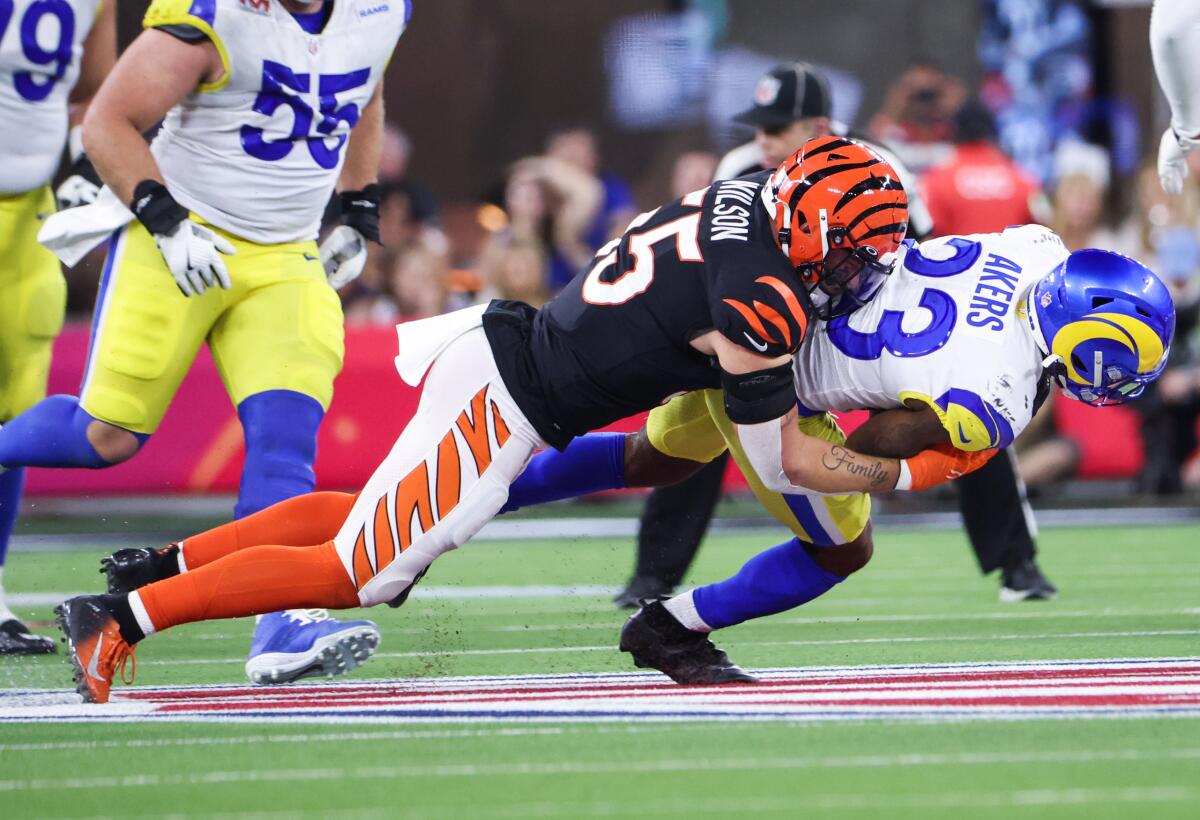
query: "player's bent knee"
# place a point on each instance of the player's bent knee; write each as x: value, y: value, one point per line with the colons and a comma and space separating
x: 646, y: 466
x: 113, y: 444
x: 846, y: 559
x: 280, y: 428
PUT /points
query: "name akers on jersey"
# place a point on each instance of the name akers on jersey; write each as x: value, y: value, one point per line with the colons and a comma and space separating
x: 731, y: 210
x: 993, y: 293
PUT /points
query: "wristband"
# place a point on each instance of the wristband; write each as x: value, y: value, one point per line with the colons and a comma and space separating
x: 155, y: 208
x: 360, y: 210
x: 904, y: 481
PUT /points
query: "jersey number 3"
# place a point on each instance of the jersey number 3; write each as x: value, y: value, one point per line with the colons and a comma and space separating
x: 890, y: 337
x: 597, y: 290
x: 32, y: 86
x: 281, y: 86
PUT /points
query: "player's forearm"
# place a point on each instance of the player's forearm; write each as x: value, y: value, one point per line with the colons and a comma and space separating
x: 1175, y: 46
x: 825, y: 467
x: 119, y: 152
x: 365, y: 147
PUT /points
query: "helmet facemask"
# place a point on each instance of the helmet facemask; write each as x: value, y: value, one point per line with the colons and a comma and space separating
x: 848, y: 275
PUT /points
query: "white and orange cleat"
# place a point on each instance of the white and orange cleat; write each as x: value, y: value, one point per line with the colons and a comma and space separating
x: 95, y: 645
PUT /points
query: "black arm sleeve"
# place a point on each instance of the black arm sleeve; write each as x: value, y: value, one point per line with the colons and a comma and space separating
x: 754, y: 398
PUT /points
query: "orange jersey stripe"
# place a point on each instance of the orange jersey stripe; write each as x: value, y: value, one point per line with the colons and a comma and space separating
x: 474, y: 430
x: 752, y: 319
x: 385, y: 544
x: 362, y: 566
x: 789, y: 299
x: 412, y: 493
x: 771, y: 315
x: 449, y: 475
x: 502, y: 433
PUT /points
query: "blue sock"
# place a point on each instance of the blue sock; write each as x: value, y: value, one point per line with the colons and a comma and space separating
x: 280, y: 427
x: 11, y: 483
x: 779, y: 579
x: 52, y: 433
x: 590, y: 464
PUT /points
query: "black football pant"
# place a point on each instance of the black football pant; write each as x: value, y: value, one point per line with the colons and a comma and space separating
x: 995, y: 512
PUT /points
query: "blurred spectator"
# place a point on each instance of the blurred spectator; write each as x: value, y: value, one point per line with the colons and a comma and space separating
x: 414, y: 288
x: 978, y: 189
x: 515, y: 270
x: 692, y: 171
x: 577, y: 146
x: 550, y: 203
x: 917, y: 113
x: 1080, y: 189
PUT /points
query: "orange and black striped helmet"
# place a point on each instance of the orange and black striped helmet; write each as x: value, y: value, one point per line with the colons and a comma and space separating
x: 840, y: 214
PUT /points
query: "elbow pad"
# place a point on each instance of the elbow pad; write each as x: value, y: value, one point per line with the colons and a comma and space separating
x: 765, y: 395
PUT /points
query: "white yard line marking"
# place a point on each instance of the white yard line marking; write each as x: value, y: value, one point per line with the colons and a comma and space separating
x: 441, y: 653
x: 626, y: 767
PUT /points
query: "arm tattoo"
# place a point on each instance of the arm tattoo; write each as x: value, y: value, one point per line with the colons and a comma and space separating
x: 839, y: 458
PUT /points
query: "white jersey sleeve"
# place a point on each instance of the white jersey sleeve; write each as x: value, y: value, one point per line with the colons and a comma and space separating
x: 947, y: 329
x: 258, y: 152
x: 41, y: 44
x: 1175, y: 46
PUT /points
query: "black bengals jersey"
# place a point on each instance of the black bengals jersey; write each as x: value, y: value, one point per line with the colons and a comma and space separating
x: 616, y: 341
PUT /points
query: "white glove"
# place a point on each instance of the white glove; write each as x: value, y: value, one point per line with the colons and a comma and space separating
x: 76, y: 190
x: 193, y: 255
x: 1172, y: 161
x: 344, y: 255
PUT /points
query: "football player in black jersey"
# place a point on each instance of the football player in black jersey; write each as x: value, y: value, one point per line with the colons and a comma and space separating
x: 713, y: 290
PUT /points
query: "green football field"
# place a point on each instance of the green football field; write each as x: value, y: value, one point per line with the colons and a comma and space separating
x: 538, y: 608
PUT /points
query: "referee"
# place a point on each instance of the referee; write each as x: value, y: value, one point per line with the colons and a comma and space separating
x: 792, y: 104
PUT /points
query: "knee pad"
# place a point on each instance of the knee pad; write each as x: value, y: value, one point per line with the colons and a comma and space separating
x: 280, y: 429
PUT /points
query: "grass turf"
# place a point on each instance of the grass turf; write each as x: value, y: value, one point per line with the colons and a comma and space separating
x: 1126, y: 592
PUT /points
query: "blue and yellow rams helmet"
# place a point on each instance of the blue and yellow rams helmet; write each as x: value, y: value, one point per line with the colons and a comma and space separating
x: 1107, y: 322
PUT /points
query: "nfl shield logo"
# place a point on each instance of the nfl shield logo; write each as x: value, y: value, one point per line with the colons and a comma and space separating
x: 767, y: 90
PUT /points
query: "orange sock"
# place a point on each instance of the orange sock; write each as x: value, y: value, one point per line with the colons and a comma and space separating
x: 250, y: 582
x: 297, y: 522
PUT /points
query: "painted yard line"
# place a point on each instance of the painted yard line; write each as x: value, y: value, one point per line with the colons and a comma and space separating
x: 823, y: 642
x: 558, y: 768
x: 388, y: 735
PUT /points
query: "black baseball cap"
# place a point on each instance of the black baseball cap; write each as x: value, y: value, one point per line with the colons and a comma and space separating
x: 790, y: 92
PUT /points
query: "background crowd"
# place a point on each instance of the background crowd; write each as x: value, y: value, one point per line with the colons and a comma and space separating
x: 1029, y: 139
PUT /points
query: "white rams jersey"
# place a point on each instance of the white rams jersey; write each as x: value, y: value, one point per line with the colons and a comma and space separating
x: 947, y: 328
x: 257, y: 153
x: 41, y: 43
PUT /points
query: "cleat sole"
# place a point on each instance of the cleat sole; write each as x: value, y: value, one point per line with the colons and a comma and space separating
x: 77, y: 672
x: 341, y: 653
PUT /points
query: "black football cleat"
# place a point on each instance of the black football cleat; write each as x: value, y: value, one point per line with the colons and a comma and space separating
x: 133, y: 568
x: 657, y: 641
x: 1025, y: 582
x: 640, y: 588
x: 16, y: 639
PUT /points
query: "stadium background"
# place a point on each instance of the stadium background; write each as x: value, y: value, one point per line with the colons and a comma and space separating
x: 476, y: 87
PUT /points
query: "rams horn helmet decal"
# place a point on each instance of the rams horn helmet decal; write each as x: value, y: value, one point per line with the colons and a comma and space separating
x: 1108, y: 322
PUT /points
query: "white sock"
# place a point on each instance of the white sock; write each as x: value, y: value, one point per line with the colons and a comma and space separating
x: 683, y: 607
x: 179, y: 559
x: 140, y: 614
x: 6, y: 614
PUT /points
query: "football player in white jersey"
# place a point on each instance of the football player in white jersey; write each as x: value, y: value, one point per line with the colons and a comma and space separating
x: 53, y: 57
x: 1175, y: 45
x: 958, y: 349
x: 267, y: 107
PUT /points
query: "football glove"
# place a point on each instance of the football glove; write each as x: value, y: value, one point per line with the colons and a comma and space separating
x: 931, y: 467
x: 192, y: 252
x: 1172, y: 160
x: 344, y: 254
x: 81, y: 187
x: 344, y: 251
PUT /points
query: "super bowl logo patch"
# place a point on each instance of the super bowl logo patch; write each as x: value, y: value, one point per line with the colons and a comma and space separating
x: 767, y: 90
x: 256, y: 6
